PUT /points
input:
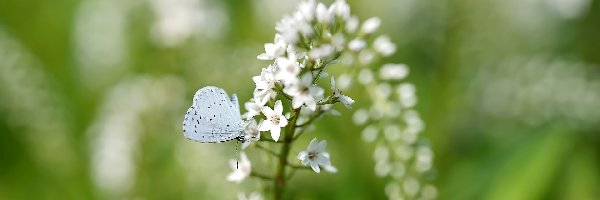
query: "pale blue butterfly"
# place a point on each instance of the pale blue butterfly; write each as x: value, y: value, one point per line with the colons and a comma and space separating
x: 213, y: 117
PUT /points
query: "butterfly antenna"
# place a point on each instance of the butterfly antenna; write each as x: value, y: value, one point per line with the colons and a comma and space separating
x: 237, y: 153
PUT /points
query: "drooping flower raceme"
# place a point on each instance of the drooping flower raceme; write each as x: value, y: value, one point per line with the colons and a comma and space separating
x: 315, y: 156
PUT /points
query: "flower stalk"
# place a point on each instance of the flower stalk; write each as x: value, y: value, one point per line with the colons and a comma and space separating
x: 280, y: 179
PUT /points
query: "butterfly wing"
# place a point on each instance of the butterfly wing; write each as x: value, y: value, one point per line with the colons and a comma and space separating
x: 236, y: 105
x: 212, y: 117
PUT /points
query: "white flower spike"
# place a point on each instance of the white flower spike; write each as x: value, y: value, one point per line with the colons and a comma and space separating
x: 241, y: 171
x: 275, y: 120
x: 316, y: 155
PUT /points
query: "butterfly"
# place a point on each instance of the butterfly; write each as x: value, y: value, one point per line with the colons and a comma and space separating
x: 213, y: 117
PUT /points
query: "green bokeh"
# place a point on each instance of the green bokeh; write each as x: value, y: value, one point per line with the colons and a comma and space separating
x: 547, y: 153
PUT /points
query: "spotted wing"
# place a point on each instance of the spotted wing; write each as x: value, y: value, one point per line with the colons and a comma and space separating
x: 212, y: 117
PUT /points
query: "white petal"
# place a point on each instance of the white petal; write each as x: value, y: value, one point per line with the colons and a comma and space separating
x: 311, y: 104
x: 347, y: 101
x: 315, y: 167
x: 282, y: 121
x: 297, y: 102
x: 264, y: 56
x: 278, y: 107
x: 322, y: 145
x: 330, y: 168
x: 268, y: 111
x: 275, y: 132
x: 332, y: 83
x: 313, y: 145
x: 266, y: 125
x: 302, y: 155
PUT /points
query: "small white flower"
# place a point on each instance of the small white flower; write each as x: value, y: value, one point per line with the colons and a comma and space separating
x: 253, y: 108
x: 393, y: 71
x: 304, y: 93
x: 406, y: 95
x: 287, y: 68
x: 323, y: 15
x: 273, y: 50
x: 360, y: 117
x: 241, y: 171
x: 316, y: 155
x: 337, y: 94
x: 357, y: 45
x: 366, y: 57
x: 365, y: 76
x: 252, y: 196
x: 344, y: 81
x: 265, y: 83
x: 371, y: 25
x: 307, y: 9
x: 252, y: 133
x: 275, y: 120
x: 384, y: 45
x: 338, y: 41
x: 340, y: 9
x: 288, y: 29
x: 323, y: 51
x: 352, y: 24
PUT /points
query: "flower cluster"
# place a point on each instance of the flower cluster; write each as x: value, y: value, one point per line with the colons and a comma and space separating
x: 394, y: 125
x: 290, y: 93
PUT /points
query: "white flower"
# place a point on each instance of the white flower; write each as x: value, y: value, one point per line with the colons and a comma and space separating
x: 344, y: 81
x: 253, y: 108
x: 384, y: 45
x: 288, y: 28
x: 273, y: 50
x: 365, y: 76
x: 287, y: 68
x: 352, y: 24
x: 406, y: 95
x: 307, y: 9
x: 252, y: 196
x: 252, y: 133
x: 241, y: 171
x: 323, y: 15
x: 316, y: 155
x: 324, y: 51
x: 340, y: 9
x: 393, y: 71
x: 265, y: 83
x: 370, y: 25
x: 366, y: 57
x: 275, y: 120
x: 337, y: 94
x: 304, y: 93
x: 356, y: 45
x: 338, y: 41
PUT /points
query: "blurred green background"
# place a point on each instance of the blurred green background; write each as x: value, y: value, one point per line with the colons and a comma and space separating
x: 93, y: 92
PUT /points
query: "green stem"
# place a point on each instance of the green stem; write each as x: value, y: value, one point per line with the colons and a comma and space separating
x: 279, y: 177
